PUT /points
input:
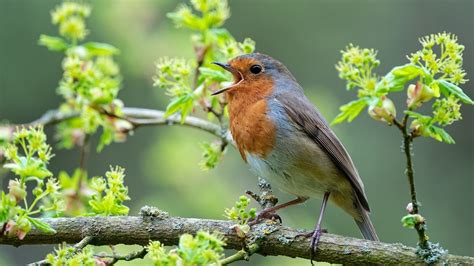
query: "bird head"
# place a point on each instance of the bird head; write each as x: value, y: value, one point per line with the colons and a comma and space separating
x: 253, y: 70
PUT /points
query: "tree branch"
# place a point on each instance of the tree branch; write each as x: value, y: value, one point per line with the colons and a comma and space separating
x: 272, y: 239
x: 140, y: 117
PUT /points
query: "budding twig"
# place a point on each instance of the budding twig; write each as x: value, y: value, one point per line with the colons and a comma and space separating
x: 240, y: 255
x: 140, y: 254
x: 407, y: 149
x: 77, y: 248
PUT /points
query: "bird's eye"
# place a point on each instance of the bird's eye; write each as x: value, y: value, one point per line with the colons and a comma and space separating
x: 255, y: 69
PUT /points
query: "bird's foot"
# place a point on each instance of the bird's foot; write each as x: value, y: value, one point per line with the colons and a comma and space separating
x: 315, y: 241
x: 310, y: 234
x: 265, y: 214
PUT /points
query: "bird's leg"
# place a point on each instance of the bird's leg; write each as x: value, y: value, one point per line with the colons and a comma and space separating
x: 270, y: 212
x: 317, y: 231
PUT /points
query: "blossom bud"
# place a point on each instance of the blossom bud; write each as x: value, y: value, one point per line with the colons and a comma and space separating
x: 16, y: 190
x: 385, y: 113
x: 23, y: 226
x: 418, y: 94
x: 419, y: 129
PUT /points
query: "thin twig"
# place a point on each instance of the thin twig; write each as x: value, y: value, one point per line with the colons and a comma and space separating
x: 51, y: 117
x: 139, y: 117
x: 407, y: 149
x: 240, y: 255
x: 140, y: 254
x: 82, y: 244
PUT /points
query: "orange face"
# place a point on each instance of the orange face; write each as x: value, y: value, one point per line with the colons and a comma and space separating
x: 247, y: 71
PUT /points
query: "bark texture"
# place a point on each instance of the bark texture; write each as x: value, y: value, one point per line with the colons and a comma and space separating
x: 272, y: 239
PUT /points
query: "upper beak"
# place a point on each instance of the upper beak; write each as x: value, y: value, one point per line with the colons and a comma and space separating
x: 232, y: 70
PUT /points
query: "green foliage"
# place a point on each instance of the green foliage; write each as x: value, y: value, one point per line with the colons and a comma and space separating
x: 239, y: 213
x: 109, y: 193
x: 90, y: 83
x: 357, y: 67
x: 433, y: 74
x: 213, y: 13
x: 27, y: 156
x: 212, y: 153
x: 70, y: 18
x: 94, y: 196
x: 445, y: 112
x: 67, y: 255
x: 203, y: 249
x: 35, y: 154
x: 447, y: 63
x: 428, y: 76
x: 350, y: 111
x: 189, y: 82
x: 174, y: 75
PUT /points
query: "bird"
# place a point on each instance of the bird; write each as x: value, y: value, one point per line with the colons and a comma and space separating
x: 284, y: 138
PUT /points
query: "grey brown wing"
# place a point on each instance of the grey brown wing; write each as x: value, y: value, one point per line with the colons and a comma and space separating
x: 303, y: 113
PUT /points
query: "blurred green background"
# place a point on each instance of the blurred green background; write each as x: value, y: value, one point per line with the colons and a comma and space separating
x: 162, y: 162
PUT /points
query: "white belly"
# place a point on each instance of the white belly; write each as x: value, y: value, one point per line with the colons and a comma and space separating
x: 300, y: 168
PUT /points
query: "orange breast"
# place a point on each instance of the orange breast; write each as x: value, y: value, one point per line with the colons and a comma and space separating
x: 250, y: 126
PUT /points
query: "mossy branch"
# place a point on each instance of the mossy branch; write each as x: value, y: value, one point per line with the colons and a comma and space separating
x: 272, y: 239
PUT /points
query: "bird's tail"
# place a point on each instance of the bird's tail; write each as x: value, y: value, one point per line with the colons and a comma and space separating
x: 366, y: 227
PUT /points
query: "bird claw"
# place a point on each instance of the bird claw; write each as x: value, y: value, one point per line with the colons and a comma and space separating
x: 316, y: 235
x: 310, y: 234
x: 265, y: 215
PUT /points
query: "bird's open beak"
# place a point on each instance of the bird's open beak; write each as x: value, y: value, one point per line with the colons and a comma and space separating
x: 237, y: 75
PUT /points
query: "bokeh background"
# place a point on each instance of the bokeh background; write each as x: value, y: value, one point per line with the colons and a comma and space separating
x: 162, y: 162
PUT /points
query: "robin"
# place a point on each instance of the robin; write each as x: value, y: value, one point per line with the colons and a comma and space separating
x: 286, y: 140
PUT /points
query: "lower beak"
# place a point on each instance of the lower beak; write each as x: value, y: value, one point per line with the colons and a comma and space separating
x: 232, y: 70
x: 220, y: 91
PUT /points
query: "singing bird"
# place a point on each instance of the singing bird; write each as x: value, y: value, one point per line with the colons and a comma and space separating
x: 286, y: 140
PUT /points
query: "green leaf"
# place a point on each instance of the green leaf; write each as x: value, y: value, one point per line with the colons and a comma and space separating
x: 174, y: 106
x: 53, y: 43
x: 221, y: 34
x: 408, y: 221
x: 422, y: 118
x: 448, y: 88
x: 396, y: 79
x: 70, y: 182
x: 100, y: 49
x: 212, y: 74
x: 32, y: 167
x: 183, y: 103
x: 350, y: 111
x: 440, y: 135
x: 409, y: 71
x: 40, y: 225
